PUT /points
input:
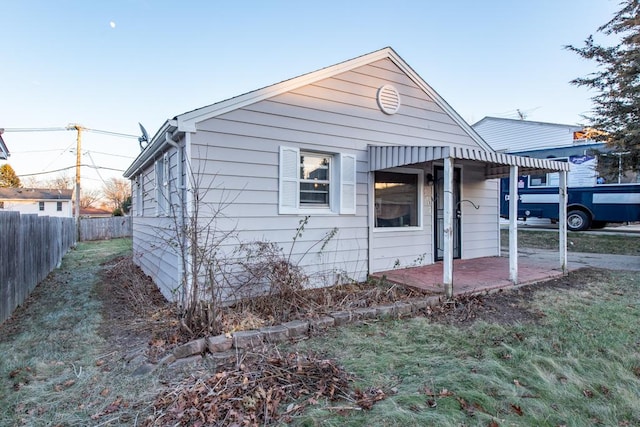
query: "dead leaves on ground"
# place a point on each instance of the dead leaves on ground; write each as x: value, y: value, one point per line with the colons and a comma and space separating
x: 254, y: 393
x: 114, y: 406
x: 21, y: 377
x: 469, y: 408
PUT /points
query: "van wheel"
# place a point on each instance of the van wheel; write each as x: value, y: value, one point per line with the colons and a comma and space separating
x: 578, y: 221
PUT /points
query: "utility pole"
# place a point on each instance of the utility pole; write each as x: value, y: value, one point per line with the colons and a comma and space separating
x: 78, y: 128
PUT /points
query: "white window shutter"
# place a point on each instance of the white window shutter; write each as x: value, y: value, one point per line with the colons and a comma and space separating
x: 289, y: 189
x: 347, y: 184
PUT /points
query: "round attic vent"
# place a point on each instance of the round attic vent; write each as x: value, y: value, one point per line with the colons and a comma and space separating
x: 388, y: 99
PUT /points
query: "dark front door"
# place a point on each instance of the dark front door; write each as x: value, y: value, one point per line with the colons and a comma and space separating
x: 438, y: 210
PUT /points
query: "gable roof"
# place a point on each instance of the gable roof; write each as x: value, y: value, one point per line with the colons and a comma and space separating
x: 34, y: 194
x: 526, y: 122
x: 186, y: 122
x: 516, y: 136
x: 4, y: 151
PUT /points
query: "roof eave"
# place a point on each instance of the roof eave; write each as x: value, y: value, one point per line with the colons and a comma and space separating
x: 157, y: 144
x: 205, y: 113
x: 4, y: 150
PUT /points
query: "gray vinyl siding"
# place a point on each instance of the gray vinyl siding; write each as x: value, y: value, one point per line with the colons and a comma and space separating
x: 237, y: 153
x: 480, y: 227
x: 153, y: 238
x: 155, y: 256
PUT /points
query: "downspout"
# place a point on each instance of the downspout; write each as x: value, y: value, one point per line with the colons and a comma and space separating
x: 170, y: 139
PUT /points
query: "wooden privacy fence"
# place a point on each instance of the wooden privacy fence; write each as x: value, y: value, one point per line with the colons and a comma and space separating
x: 31, y: 246
x: 105, y: 228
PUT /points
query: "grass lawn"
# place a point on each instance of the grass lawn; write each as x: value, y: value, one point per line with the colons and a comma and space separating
x: 577, y: 242
x: 55, y: 369
x: 572, y: 358
x: 579, y: 365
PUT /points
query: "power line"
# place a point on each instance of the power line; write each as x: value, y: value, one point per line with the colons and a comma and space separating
x: 106, y: 132
x: 34, y: 129
x: 34, y: 151
x: 54, y: 129
x: 108, y: 154
x: 70, y: 167
x: 59, y: 155
x: 96, y: 167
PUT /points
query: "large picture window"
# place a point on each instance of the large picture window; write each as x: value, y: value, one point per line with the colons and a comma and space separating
x: 396, y: 199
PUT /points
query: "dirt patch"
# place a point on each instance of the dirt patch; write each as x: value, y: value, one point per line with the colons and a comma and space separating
x: 136, y: 314
x: 509, y: 306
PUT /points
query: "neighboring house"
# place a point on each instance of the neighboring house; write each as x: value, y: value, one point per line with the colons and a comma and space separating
x: 603, y: 186
x: 91, y: 212
x: 39, y: 201
x: 4, y: 151
x: 536, y: 139
x: 365, y: 147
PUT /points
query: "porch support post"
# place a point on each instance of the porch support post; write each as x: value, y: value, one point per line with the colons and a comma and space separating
x: 447, y: 267
x: 513, y: 224
x: 562, y: 221
x: 372, y: 219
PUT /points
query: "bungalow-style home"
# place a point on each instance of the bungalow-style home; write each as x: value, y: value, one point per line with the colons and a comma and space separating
x: 4, y: 151
x: 378, y: 169
x: 51, y: 202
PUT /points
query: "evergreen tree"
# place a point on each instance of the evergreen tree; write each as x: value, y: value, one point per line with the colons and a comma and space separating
x: 8, y: 177
x: 616, y: 111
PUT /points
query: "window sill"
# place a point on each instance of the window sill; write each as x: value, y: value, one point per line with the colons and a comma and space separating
x: 397, y: 229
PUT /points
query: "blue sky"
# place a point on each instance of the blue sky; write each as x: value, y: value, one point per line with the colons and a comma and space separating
x: 65, y: 62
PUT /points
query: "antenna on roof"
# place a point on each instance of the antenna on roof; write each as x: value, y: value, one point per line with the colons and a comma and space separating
x: 144, y: 139
x: 521, y: 114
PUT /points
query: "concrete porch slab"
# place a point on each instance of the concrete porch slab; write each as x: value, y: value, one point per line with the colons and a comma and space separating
x: 470, y: 275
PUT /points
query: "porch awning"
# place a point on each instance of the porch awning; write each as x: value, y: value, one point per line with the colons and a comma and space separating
x: 497, y: 164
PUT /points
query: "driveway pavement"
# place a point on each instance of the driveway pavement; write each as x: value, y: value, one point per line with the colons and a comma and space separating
x: 544, y: 225
x: 581, y: 259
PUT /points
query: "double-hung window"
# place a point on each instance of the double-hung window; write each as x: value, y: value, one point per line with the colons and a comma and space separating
x: 41, y: 206
x: 59, y: 206
x: 316, y: 182
x: 162, y: 185
x: 315, y: 179
x: 139, y: 195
